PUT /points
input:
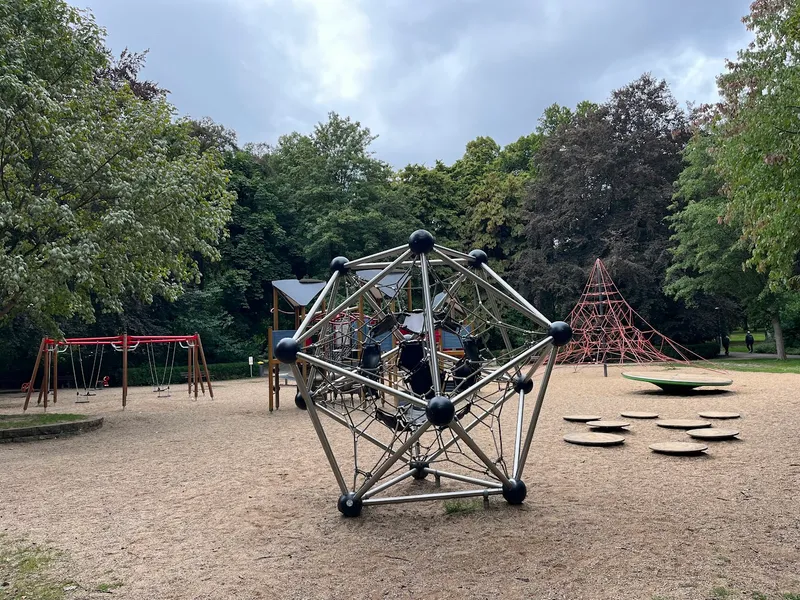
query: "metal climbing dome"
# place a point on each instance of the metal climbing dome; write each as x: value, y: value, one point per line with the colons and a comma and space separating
x: 418, y: 400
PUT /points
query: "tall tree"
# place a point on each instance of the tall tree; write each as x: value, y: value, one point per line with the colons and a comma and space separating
x: 758, y: 124
x: 602, y: 189
x: 102, y: 195
x: 341, y: 196
x: 709, y: 253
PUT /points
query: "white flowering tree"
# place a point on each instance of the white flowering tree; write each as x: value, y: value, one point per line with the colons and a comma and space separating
x: 104, y: 195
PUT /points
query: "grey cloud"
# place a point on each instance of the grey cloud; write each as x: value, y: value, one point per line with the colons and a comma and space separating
x: 442, y: 72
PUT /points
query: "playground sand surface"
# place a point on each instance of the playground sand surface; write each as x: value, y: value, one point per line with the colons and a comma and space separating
x: 206, y: 500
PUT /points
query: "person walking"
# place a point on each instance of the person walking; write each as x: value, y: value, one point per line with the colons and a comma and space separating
x: 749, y: 340
x: 726, y: 343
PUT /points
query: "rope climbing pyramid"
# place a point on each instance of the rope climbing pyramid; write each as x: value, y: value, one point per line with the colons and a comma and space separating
x: 606, y: 329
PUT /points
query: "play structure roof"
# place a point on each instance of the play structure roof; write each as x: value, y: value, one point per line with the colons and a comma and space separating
x: 299, y: 292
x: 390, y: 285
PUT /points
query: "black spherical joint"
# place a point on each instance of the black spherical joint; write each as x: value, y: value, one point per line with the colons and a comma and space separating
x: 440, y: 411
x: 421, y: 241
x: 419, y: 467
x: 561, y: 333
x: 478, y: 258
x: 339, y: 264
x: 515, y: 491
x: 523, y: 385
x: 286, y: 350
x: 349, y: 506
x: 300, y: 402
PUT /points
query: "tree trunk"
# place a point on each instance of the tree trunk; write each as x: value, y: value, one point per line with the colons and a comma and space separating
x: 776, y: 327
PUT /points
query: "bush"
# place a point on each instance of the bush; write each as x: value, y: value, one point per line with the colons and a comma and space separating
x: 219, y: 372
x: 770, y: 348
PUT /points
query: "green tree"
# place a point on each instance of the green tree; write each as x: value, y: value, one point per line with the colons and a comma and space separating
x: 603, y: 186
x: 709, y: 253
x: 758, y: 126
x: 342, y: 197
x: 102, y: 195
x: 433, y: 201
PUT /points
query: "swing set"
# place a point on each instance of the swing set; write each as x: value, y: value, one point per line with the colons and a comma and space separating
x: 197, y: 374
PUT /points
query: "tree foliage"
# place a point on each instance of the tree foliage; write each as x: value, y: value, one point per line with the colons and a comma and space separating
x: 758, y: 128
x: 102, y: 195
x: 602, y: 189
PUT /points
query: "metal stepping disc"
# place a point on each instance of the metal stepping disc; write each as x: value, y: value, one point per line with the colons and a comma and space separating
x: 715, y: 414
x: 591, y: 438
x: 683, y: 424
x: 635, y: 414
x: 679, y: 448
x: 713, y: 434
x: 608, y: 425
x: 582, y: 418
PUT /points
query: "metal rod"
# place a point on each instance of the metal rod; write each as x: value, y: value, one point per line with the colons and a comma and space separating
x: 536, y: 409
x: 373, y: 257
x: 465, y: 437
x: 500, y: 371
x: 312, y: 412
x: 486, y: 285
x: 540, y: 318
x: 453, y: 253
x: 436, y: 496
x: 363, y: 380
x: 386, y: 485
x: 342, y: 421
x: 464, y: 478
x: 301, y: 337
x: 496, y: 314
x: 317, y: 303
x: 405, y: 263
x: 518, y: 432
x: 365, y: 487
x: 430, y: 338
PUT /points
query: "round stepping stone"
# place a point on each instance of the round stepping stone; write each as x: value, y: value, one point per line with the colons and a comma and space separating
x: 594, y: 439
x: 683, y: 424
x: 582, y: 418
x: 715, y: 414
x: 679, y: 448
x: 713, y: 434
x: 635, y: 414
x: 607, y: 425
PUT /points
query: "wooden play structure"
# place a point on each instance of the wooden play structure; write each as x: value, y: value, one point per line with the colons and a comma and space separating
x: 197, y: 374
x: 292, y: 297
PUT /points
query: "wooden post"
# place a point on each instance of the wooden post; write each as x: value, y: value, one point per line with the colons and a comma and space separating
x: 46, y: 379
x: 55, y: 373
x: 124, y: 370
x: 33, y: 375
x: 189, y: 349
x: 408, y: 294
x: 270, y: 391
x: 205, y: 365
x: 277, y: 385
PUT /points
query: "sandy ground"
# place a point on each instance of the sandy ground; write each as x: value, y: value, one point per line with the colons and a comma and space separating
x: 182, y: 499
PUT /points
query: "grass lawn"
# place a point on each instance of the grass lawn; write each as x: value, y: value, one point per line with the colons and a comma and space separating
x: 10, y: 421
x: 766, y: 365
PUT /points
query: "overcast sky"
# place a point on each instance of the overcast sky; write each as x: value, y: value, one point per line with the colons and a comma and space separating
x: 427, y: 76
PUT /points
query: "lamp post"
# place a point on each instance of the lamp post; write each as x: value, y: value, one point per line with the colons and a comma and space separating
x: 719, y: 330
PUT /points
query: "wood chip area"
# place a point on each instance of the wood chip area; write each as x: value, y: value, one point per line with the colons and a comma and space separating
x: 181, y: 499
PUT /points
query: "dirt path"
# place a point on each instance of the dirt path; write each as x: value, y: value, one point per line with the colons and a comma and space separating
x: 178, y: 499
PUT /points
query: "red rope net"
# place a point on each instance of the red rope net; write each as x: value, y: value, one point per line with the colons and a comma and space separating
x: 607, y: 330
